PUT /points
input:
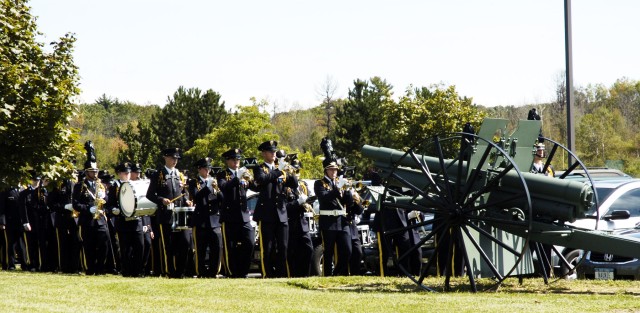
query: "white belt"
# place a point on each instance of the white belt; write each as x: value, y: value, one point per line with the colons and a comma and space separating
x: 333, y: 212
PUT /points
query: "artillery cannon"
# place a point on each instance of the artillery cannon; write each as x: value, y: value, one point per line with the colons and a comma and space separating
x: 491, y: 215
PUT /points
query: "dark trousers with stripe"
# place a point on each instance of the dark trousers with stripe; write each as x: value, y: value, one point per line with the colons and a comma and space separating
x: 68, y: 247
x: 13, y: 243
x: 131, y: 250
x: 211, y: 238
x: 95, y: 245
x: 175, y: 248
x: 356, y: 257
x: 274, y: 238
x: 239, y: 240
x: 340, y: 242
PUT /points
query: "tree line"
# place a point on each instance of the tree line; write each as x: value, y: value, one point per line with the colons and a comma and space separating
x: 44, y: 129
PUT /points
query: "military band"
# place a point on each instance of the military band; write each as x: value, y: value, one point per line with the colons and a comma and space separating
x: 200, y: 227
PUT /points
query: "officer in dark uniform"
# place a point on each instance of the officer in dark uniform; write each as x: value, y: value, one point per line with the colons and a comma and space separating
x: 129, y: 229
x: 12, y: 230
x: 334, y: 225
x: 271, y: 212
x: 237, y: 231
x: 206, y: 220
x: 167, y: 189
x: 89, y: 199
x: 300, y: 243
x: 65, y: 225
x: 34, y: 214
x: 147, y: 230
x: 113, y: 255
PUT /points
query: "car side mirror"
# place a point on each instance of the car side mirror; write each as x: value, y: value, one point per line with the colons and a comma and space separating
x: 618, y: 215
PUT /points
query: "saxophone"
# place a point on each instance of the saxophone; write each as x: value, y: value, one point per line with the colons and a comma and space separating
x: 99, y: 200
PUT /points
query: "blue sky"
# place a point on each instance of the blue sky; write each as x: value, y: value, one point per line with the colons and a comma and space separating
x: 500, y: 52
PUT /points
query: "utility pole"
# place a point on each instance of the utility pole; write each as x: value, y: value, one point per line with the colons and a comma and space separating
x: 571, y: 135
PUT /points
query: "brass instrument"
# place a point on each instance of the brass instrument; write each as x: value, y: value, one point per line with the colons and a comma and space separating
x: 245, y: 175
x: 99, y: 200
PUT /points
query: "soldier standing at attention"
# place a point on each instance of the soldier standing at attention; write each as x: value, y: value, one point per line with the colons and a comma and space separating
x: 237, y: 231
x: 33, y: 214
x: 89, y: 198
x: 206, y: 220
x: 334, y: 225
x: 12, y: 229
x: 167, y: 189
x: 271, y: 211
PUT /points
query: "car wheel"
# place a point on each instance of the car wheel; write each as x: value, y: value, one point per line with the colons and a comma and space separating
x: 317, y: 260
x: 569, y: 272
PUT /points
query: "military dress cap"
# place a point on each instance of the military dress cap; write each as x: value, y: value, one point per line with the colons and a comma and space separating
x: 329, y: 163
x: 136, y: 167
x: 296, y: 164
x: 233, y: 154
x: 123, y: 167
x: 90, y: 166
x: 206, y: 162
x: 172, y: 152
x: 270, y: 145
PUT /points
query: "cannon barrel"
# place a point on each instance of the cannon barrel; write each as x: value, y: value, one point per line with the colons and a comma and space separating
x: 552, y: 199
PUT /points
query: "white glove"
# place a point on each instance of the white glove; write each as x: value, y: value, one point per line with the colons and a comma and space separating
x: 302, y: 198
x: 100, y: 195
x: 281, y: 163
x: 341, y: 182
x: 171, y: 206
x: 93, y: 209
x: 241, y: 171
x: 68, y: 206
x: 115, y: 211
x: 413, y: 214
x: 356, y: 219
x: 27, y: 226
x: 145, y: 228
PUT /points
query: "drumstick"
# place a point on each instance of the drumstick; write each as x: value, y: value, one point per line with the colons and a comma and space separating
x: 176, y: 198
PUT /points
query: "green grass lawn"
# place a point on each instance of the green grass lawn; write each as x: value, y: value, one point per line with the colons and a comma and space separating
x: 29, y: 292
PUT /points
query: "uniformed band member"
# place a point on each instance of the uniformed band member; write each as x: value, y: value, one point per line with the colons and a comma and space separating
x: 35, y: 217
x: 237, y: 231
x: 300, y: 243
x: 12, y: 230
x: 129, y: 230
x: 334, y: 225
x: 60, y: 202
x: 205, y: 221
x: 354, y: 213
x: 271, y: 212
x: 89, y: 199
x: 167, y: 189
x: 147, y: 230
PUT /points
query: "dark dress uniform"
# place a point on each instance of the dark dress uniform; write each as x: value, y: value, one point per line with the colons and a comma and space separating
x: 334, y: 227
x: 66, y: 228
x: 354, y: 209
x: 130, y: 236
x: 93, y: 229
x: 173, y: 245
x: 206, y: 226
x: 271, y: 215
x: 13, y: 238
x: 35, y: 212
x: 237, y: 231
x: 300, y: 243
x: 400, y: 242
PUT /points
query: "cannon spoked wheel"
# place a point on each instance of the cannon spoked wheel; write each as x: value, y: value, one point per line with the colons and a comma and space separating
x: 571, y: 259
x: 452, y: 192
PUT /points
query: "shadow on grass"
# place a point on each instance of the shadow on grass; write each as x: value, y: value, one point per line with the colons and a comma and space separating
x: 459, y: 285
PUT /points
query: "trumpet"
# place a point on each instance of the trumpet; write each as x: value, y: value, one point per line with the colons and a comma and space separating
x: 99, y: 201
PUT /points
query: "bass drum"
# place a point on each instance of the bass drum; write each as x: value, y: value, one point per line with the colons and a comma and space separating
x: 133, y: 199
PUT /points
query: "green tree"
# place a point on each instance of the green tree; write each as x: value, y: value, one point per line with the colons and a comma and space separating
x: 188, y: 116
x: 362, y: 120
x: 428, y: 111
x: 600, y: 137
x: 245, y: 129
x: 141, y: 145
x: 36, y: 91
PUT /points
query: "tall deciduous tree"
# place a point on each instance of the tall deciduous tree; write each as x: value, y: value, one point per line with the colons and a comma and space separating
x: 36, y: 88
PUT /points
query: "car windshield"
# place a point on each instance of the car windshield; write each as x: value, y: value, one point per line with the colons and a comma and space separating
x: 603, y: 193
